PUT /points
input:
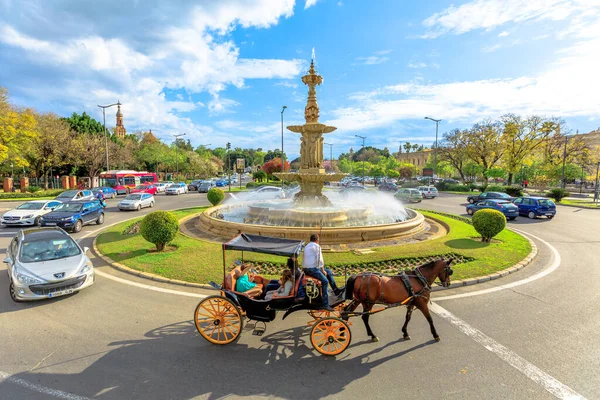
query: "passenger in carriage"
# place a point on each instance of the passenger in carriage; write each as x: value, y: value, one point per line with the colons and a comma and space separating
x: 314, y: 266
x: 285, y: 287
x: 244, y: 282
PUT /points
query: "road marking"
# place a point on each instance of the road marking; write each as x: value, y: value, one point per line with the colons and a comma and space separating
x: 40, y: 389
x: 553, y: 266
x: 546, y: 381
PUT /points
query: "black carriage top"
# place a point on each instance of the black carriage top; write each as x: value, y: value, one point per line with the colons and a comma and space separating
x: 265, y: 244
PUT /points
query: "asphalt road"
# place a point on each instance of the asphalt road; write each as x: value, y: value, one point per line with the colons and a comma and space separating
x: 120, y: 339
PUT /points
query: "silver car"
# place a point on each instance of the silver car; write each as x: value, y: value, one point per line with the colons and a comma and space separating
x: 75, y: 195
x: 136, y: 201
x: 45, y: 263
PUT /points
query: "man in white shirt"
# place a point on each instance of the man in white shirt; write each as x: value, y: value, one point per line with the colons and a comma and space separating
x: 313, y: 266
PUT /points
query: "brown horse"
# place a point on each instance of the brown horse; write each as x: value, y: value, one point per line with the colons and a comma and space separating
x: 369, y: 289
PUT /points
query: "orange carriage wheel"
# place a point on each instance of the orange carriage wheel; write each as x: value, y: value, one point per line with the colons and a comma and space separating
x: 330, y: 336
x: 218, y: 320
x: 317, y: 314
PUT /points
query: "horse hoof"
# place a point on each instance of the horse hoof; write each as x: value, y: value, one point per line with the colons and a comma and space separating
x: 437, y: 339
x: 406, y: 337
x: 374, y: 339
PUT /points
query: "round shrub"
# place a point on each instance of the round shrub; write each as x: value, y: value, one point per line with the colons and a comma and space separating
x: 558, y: 194
x: 159, y: 227
x: 215, y: 196
x: 488, y: 223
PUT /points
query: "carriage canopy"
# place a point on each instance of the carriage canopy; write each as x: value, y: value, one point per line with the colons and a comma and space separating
x: 265, y: 244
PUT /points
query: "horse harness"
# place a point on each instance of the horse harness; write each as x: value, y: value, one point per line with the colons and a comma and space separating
x: 405, y: 280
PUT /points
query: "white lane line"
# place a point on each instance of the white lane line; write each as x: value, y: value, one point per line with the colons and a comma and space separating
x: 553, y: 266
x: 149, y: 287
x: 39, y: 388
x: 546, y: 381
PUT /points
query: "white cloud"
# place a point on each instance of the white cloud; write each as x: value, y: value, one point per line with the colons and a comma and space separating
x: 220, y: 105
x: 417, y: 65
x: 372, y: 60
x: 489, y: 14
x: 503, y: 33
x: 498, y: 46
x: 287, y: 84
x: 310, y: 3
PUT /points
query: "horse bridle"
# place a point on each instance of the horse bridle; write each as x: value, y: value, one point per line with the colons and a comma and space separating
x: 426, y: 284
x: 449, y: 272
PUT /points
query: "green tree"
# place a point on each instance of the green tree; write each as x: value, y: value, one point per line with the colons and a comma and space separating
x: 484, y: 144
x: 18, y: 131
x: 453, y: 149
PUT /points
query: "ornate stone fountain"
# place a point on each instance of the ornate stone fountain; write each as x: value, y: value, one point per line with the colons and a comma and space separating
x: 312, y: 175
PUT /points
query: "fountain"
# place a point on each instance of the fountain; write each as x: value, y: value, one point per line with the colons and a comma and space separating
x: 345, y: 220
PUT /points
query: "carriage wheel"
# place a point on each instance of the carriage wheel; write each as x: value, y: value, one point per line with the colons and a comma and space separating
x: 218, y: 320
x: 318, y: 314
x: 330, y: 336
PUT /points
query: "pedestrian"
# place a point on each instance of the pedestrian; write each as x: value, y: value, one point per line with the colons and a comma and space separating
x: 314, y: 266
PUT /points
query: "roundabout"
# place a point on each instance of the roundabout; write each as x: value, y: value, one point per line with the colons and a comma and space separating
x: 147, y: 335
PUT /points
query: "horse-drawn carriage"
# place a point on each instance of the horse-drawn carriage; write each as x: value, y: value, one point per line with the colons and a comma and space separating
x: 220, y: 318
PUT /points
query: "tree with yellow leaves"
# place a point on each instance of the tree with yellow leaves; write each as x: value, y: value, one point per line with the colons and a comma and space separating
x: 17, y: 131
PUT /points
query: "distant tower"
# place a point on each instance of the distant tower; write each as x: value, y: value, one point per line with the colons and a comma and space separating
x: 120, y: 130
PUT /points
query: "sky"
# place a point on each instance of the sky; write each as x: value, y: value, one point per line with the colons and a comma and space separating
x: 220, y: 71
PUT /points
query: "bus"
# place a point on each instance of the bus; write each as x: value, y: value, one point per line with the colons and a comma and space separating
x: 124, y: 180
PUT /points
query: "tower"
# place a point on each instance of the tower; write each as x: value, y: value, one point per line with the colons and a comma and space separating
x: 120, y: 130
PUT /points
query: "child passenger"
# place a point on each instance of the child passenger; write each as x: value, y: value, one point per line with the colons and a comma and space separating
x: 284, y: 289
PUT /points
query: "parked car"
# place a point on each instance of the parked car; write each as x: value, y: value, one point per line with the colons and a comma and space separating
x: 221, y: 183
x: 144, y: 189
x: 388, y: 187
x: 44, y: 263
x: 107, y: 191
x: 428, y: 192
x: 73, y: 215
x: 205, y: 186
x: 28, y: 213
x: 160, y: 187
x: 352, y: 189
x: 75, y: 195
x: 194, y: 185
x: 536, y: 207
x: 408, y: 195
x: 176, y: 188
x: 489, y: 195
x: 136, y: 201
x: 266, y: 193
x: 506, y: 207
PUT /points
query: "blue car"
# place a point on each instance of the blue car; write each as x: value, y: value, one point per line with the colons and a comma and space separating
x: 108, y: 192
x: 506, y: 207
x: 221, y: 183
x: 73, y: 215
x: 536, y: 207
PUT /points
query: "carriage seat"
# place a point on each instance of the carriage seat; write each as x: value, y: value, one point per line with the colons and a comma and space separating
x: 230, y: 282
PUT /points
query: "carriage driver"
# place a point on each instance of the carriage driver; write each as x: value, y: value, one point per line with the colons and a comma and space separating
x: 313, y: 266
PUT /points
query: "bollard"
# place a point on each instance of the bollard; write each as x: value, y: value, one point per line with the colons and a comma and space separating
x: 7, y: 185
x: 24, y: 184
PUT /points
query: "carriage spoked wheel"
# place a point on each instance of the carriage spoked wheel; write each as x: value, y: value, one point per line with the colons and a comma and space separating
x: 317, y: 314
x: 330, y: 336
x: 218, y: 320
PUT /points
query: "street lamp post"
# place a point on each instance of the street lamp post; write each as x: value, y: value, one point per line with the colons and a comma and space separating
x: 564, y: 181
x: 118, y: 103
x: 581, y: 182
x: 363, y: 156
x: 176, y: 154
x: 282, y: 154
x: 437, y: 121
x: 330, y: 154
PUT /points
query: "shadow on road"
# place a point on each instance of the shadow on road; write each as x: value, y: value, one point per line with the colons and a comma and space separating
x: 283, y: 366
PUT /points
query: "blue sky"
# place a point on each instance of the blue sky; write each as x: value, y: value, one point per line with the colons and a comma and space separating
x: 221, y: 71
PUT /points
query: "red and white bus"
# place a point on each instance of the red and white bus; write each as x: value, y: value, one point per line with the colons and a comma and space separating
x: 124, y: 180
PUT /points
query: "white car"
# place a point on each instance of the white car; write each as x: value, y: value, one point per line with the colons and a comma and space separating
x: 28, y: 213
x: 266, y: 193
x: 136, y: 201
x: 428, y: 191
x: 43, y: 263
x: 161, y: 187
x: 176, y: 188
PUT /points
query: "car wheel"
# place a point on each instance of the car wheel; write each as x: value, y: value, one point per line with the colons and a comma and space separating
x: 469, y: 211
x: 78, y: 225
x: 151, y: 204
x: 550, y: 216
x: 531, y: 215
x: 100, y: 219
x: 37, y: 222
x: 13, y: 293
x: 512, y: 218
x: 113, y: 196
x: 471, y: 201
x: 139, y: 207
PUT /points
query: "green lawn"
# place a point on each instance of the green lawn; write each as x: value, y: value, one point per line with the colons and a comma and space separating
x: 580, y: 203
x: 199, y: 261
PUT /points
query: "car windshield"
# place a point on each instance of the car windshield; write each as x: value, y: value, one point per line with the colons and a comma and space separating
x: 503, y: 195
x: 48, y: 249
x: 175, y: 185
x: 69, y: 207
x: 133, y: 197
x: 30, y: 206
x: 141, y: 187
x: 69, y: 193
x: 546, y: 202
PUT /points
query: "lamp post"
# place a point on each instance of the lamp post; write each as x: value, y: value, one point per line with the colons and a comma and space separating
x: 581, y: 182
x: 282, y: 154
x: 118, y: 103
x: 176, y: 154
x: 437, y: 121
x: 564, y: 183
x: 330, y: 154
x: 363, y: 156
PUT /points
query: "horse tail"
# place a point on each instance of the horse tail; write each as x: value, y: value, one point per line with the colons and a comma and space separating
x: 350, y: 287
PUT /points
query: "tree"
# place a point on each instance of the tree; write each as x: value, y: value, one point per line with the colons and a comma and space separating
x: 270, y: 167
x: 17, y: 132
x: 453, y: 149
x: 271, y: 154
x: 483, y: 144
x: 407, y: 147
x: 415, y: 147
x: 84, y: 124
x: 407, y: 170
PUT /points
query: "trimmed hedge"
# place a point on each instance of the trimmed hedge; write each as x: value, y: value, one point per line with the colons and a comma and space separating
x: 159, y: 228
x: 412, y: 184
x: 488, y: 223
x: 215, y: 196
x: 41, y: 193
x: 558, y: 194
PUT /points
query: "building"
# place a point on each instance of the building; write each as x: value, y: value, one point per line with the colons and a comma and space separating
x: 120, y: 130
x: 416, y: 158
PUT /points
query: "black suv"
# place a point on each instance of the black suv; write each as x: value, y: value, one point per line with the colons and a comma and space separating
x: 388, y: 187
x: 489, y: 195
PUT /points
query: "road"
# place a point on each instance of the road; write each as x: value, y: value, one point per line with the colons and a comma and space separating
x: 121, y: 340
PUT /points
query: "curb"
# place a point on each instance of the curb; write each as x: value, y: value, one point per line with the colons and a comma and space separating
x: 460, y: 283
x: 576, y: 206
